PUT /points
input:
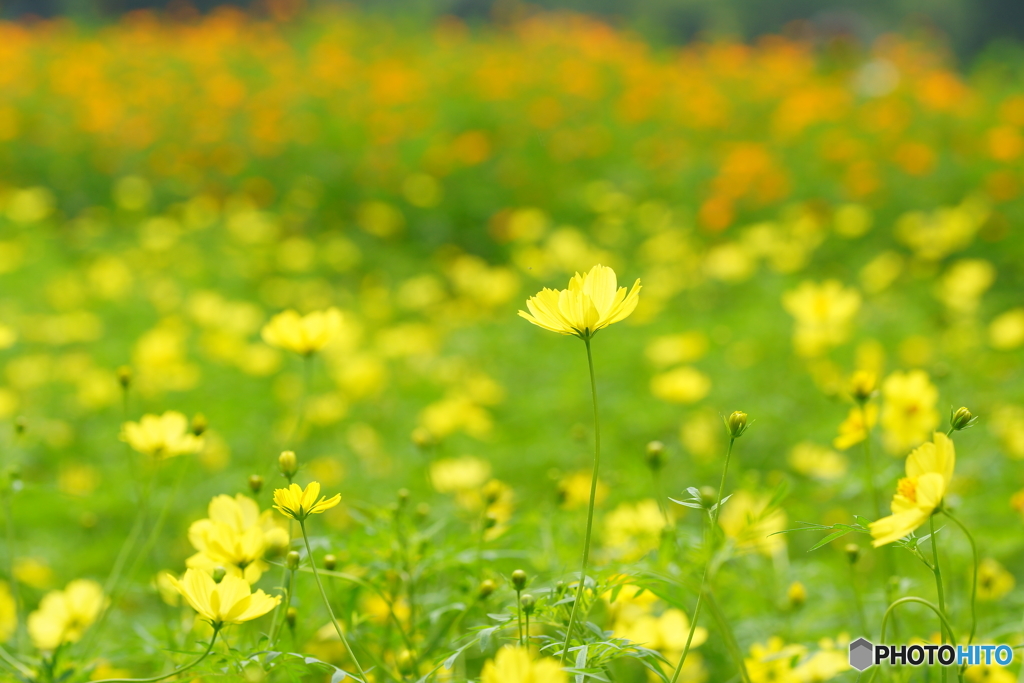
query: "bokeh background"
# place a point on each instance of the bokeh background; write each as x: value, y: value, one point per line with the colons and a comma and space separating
x: 802, y: 189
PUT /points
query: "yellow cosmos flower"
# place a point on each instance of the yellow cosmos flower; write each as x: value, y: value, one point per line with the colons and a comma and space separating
x: 994, y: 582
x: 63, y: 616
x: 236, y: 536
x: 298, y: 504
x: 229, y: 602
x: 853, y: 430
x: 161, y: 436
x: 929, y: 471
x: 516, y: 665
x: 303, y: 334
x: 591, y: 302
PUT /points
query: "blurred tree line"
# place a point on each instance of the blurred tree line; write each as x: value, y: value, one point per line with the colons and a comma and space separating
x: 967, y: 25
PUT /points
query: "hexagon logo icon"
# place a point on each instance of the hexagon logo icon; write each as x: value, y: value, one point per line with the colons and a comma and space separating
x: 861, y: 654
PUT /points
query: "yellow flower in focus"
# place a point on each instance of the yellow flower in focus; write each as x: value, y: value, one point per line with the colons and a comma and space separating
x: 747, y: 520
x: 298, y: 504
x: 63, y: 616
x: 303, y: 334
x: 516, y: 665
x: 823, y: 314
x: 236, y: 536
x: 161, y: 436
x: 8, y: 613
x: 853, y: 430
x: 908, y: 409
x: 929, y: 471
x: 229, y: 602
x: 994, y: 582
x: 591, y: 302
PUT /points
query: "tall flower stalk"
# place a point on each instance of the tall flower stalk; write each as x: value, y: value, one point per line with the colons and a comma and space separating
x: 591, y: 302
x: 736, y: 424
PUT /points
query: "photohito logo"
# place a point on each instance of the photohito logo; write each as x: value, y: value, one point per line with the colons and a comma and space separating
x: 864, y: 654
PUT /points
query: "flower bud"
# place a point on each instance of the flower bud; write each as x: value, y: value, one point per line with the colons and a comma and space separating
x: 255, y: 483
x: 199, y: 424
x: 288, y: 464
x: 330, y: 562
x: 291, y: 616
x: 219, y: 573
x: 528, y: 602
x: 519, y: 579
x: 852, y: 551
x: 736, y: 424
x: 708, y: 496
x: 292, y: 559
x: 655, y: 455
x: 124, y: 376
x: 487, y: 586
x: 797, y: 595
x: 961, y: 419
x: 862, y: 385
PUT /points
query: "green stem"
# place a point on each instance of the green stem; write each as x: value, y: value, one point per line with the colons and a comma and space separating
x: 275, y: 629
x: 8, y: 659
x: 519, y: 614
x: 974, y: 582
x: 861, y: 615
x: 946, y: 632
x: 590, y: 509
x: 938, y: 612
x: 727, y: 635
x: 327, y: 603
x: 209, y: 648
x: 707, y: 565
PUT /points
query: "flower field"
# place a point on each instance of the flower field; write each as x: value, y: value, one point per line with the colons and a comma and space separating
x: 335, y: 347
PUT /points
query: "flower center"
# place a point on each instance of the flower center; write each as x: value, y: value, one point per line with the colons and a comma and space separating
x: 907, y: 488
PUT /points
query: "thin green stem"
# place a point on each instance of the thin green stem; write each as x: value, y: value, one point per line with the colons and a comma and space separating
x: 974, y: 581
x: 861, y: 615
x: 590, y: 509
x: 275, y: 629
x: 519, y: 614
x: 707, y: 565
x: 209, y: 648
x: 921, y: 601
x: 946, y: 632
x: 327, y: 603
x: 9, y: 659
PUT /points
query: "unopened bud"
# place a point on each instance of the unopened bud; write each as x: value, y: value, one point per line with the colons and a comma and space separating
x: 736, y: 423
x: 519, y: 579
x: 797, y: 595
x: 330, y: 562
x: 288, y: 464
x: 487, y: 586
x: 961, y: 419
x: 708, y: 496
x: 219, y: 573
x: 852, y: 551
x: 655, y: 455
x: 862, y: 385
x: 528, y: 603
x: 124, y: 376
x: 199, y: 424
x: 291, y: 616
x: 292, y: 559
x: 255, y: 483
